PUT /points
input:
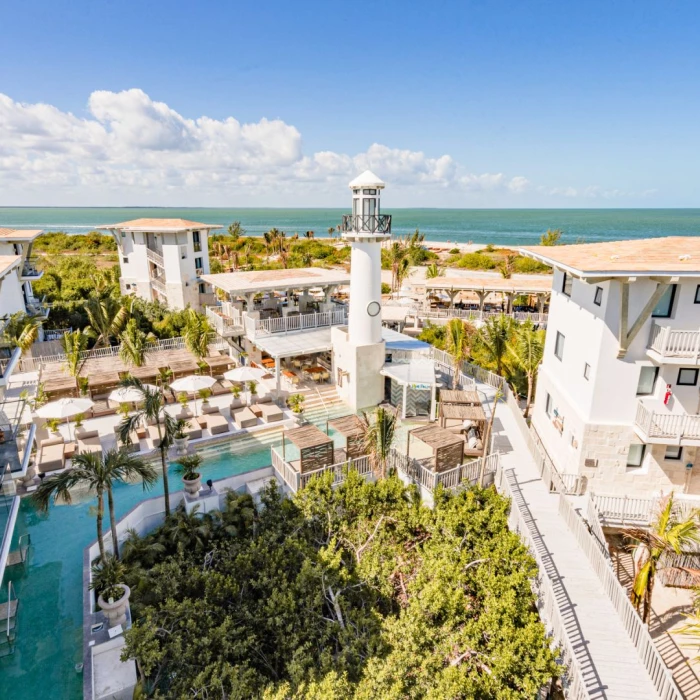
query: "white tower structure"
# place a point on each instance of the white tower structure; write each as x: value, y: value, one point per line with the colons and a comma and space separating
x: 359, y: 349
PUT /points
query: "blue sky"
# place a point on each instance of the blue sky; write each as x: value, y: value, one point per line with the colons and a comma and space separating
x: 468, y: 103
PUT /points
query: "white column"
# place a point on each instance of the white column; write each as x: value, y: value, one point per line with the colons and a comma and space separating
x: 277, y: 377
x: 365, y: 287
x: 403, y: 403
x: 433, y: 413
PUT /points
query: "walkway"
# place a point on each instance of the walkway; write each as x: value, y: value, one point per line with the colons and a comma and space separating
x: 609, y: 661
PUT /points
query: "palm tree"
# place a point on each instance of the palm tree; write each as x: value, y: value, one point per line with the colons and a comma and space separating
x: 152, y: 410
x: 134, y: 344
x: 98, y: 471
x: 494, y: 337
x: 21, y: 331
x: 433, y: 271
x: 235, y: 230
x: 380, y: 430
x: 107, y: 318
x: 331, y: 231
x: 189, y: 530
x: 398, y: 264
x: 507, y: 266
x: 196, y: 334
x: 527, y: 350
x: 669, y: 534
x: 458, y: 337
x: 74, y: 344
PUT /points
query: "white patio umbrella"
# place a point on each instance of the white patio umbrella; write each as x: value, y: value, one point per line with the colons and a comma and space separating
x: 130, y: 394
x: 65, y: 408
x: 193, y: 383
x: 245, y: 374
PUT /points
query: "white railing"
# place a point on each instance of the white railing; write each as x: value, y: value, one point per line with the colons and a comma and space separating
x: 290, y: 324
x: 633, y: 510
x: 475, y: 315
x: 596, y: 528
x: 154, y: 257
x: 658, y: 672
x: 296, y: 481
x: 223, y: 324
x: 158, y: 286
x: 285, y: 471
x: 56, y: 333
x: 674, y: 343
x: 671, y: 426
x: 232, y: 312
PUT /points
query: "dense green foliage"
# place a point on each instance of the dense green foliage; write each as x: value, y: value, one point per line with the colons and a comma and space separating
x: 90, y: 243
x: 355, y: 592
x: 490, y: 259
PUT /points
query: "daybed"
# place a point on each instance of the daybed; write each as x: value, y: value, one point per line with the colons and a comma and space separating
x: 51, y: 457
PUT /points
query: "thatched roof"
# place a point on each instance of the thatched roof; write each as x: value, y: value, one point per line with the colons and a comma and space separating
x: 307, y: 436
x: 475, y: 413
x: 348, y: 426
x: 469, y: 398
x: 435, y: 436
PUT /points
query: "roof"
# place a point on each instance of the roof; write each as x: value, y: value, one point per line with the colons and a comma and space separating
x: 435, y: 436
x: 416, y: 373
x: 469, y: 398
x: 159, y: 225
x: 672, y: 255
x: 295, y: 344
x: 400, y: 341
x: 457, y: 410
x: 367, y: 179
x: 270, y: 280
x: 8, y: 262
x: 348, y: 425
x: 307, y: 436
x: 11, y: 234
x: 494, y: 283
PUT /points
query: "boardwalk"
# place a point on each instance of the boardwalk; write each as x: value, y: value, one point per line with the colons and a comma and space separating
x: 610, y: 664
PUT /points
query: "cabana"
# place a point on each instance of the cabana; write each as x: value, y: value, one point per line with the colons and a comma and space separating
x: 353, y: 430
x: 61, y: 386
x: 315, y: 448
x: 183, y: 368
x: 143, y: 373
x: 465, y: 398
x: 218, y: 362
x: 446, y: 448
x: 469, y: 421
x: 102, y: 382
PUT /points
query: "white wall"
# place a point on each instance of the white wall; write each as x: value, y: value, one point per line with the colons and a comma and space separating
x: 11, y: 299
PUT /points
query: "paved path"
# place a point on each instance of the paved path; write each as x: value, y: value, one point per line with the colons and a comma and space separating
x: 608, y: 658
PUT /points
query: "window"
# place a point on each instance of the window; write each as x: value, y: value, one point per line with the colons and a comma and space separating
x: 687, y: 377
x: 697, y: 294
x: 202, y: 288
x: 196, y: 241
x: 647, y: 380
x: 674, y: 452
x: 559, y: 346
x: 665, y: 306
x: 369, y: 191
x: 566, y: 284
x: 586, y: 371
x: 123, y: 234
x: 128, y: 287
x: 369, y: 207
x: 548, y: 406
x: 635, y: 456
x: 598, y: 298
x: 198, y: 263
x: 125, y: 260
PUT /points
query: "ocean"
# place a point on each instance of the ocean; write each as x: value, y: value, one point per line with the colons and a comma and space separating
x: 497, y: 226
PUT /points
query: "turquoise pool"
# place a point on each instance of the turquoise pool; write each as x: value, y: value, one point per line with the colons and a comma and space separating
x: 49, y: 639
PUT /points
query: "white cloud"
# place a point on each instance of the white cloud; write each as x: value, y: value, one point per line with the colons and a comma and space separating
x: 130, y: 149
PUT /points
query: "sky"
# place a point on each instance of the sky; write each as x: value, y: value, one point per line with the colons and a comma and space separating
x: 531, y: 103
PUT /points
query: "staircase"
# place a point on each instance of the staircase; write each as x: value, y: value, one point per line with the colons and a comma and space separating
x: 320, y: 402
x: 19, y: 555
x: 8, y: 621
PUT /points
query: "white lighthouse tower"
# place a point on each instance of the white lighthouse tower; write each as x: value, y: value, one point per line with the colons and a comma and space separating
x: 359, y: 349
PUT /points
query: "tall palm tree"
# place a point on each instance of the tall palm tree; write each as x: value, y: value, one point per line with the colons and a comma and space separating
x: 380, y: 430
x: 235, y: 230
x: 196, y: 333
x: 458, y: 337
x: 74, y: 344
x: 134, y: 344
x: 152, y: 410
x: 494, y: 337
x: 527, y: 349
x: 669, y: 534
x: 331, y: 231
x: 98, y: 472
x: 398, y: 263
x: 21, y: 331
x: 107, y: 318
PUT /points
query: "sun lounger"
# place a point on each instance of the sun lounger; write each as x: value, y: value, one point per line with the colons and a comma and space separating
x: 270, y: 412
x: 185, y: 414
x: 51, y: 457
x: 194, y: 432
x: 235, y: 405
x: 207, y: 409
x: 152, y: 435
x: 88, y: 441
x: 244, y: 418
x: 133, y: 445
x: 217, y: 423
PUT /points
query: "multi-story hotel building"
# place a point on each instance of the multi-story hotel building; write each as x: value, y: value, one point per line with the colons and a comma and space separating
x: 617, y: 397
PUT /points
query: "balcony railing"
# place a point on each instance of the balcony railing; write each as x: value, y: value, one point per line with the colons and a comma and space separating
x: 159, y: 286
x: 475, y: 315
x: 366, y: 223
x: 256, y: 327
x: 30, y: 271
x: 154, y: 257
x: 674, y: 427
x: 224, y: 325
x: 674, y: 344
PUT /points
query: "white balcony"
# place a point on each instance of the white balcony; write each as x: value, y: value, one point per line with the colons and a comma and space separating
x: 665, y: 428
x: 159, y: 286
x: 256, y: 328
x: 155, y: 257
x: 223, y: 324
x: 673, y: 346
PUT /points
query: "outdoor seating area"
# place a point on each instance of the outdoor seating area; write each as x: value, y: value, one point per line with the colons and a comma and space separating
x: 435, y: 448
x: 353, y: 431
x: 315, y: 449
x: 461, y: 413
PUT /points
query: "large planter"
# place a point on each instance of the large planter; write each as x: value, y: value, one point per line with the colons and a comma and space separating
x: 192, y: 486
x: 28, y: 478
x: 116, y: 611
x: 180, y: 445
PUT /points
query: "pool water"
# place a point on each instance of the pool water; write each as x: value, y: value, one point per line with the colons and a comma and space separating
x: 49, y: 634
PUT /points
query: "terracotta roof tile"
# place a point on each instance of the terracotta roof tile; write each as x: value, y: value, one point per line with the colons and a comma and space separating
x: 12, y: 234
x: 160, y: 224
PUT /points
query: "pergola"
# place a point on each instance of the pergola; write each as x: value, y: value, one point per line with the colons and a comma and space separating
x: 353, y: 430
x: 447, y: 448
x: 315, y: 448
x: 462, y: 412
x: 453, y: 396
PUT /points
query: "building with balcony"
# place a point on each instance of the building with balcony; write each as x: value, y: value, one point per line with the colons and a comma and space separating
x: 618, y: 396
x: 17, y: 272
x: 164, y: 260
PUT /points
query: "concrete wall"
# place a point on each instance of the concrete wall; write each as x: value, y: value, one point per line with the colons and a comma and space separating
x: 11, y: 299
x: 361, y: 385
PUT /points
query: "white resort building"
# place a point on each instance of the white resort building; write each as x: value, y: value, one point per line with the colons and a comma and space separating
x: 617, y: 395
x: 164, y: 260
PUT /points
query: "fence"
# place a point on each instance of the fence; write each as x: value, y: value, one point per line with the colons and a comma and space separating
x: 297, y: 481
x: 56, y: 333
x: 595, y: 527
x: 673, y: 426
x: 476, y: 315
x: 673, y: 343
x: 632, y: 510
x: 648, y: 654
x: 285, y: 324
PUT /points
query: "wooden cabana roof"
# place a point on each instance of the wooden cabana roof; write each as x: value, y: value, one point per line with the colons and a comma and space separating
x: 103, y: 379
x: 306, y: 436
x: 348, y: 426
x: 436, y: 437
x: 468, y: 398
x: 219, y: 361
x: 144, y: 372
x: 463, y: 412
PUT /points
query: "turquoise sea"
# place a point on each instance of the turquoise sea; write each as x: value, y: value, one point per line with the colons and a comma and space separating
x: 498, y: 226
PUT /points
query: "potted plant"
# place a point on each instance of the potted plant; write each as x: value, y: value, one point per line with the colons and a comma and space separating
x: 296, y: 404
x: 236, y: 391
x: 79, y: 420
x: 52, y: 425
x: 204, y: 394
x: 188, y: 466
x: 252, y: 390
x: 182, y: 399
x: 180, y: 438
x: 123, y: 410
x: 112, y: 594
x: 83, y: 386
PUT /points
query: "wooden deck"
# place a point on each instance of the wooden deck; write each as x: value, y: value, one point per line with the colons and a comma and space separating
x: 607, y: 656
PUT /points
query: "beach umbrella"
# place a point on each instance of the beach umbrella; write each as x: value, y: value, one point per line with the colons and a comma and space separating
x: 65, y: 408
x: 195, y: 382
x: 245, y: 374
x: 130, y: 394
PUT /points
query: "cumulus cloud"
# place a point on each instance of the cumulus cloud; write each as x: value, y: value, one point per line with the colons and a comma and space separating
x: 131, y: 149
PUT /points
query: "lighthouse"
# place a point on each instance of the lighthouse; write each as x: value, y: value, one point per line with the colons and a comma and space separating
x: 358, y: 349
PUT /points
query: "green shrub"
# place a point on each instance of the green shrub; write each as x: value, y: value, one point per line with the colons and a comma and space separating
x: 526, y: 266
x: 454, y: 251
x: 476, y: 261
x: 386, y: 288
